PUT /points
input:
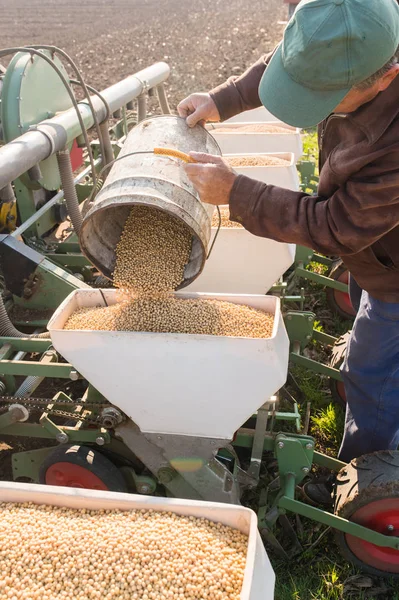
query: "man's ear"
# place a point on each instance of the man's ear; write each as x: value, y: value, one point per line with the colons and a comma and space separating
x: 387, y: 79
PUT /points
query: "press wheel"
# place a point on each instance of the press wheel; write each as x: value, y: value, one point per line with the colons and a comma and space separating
x: 81, y: 467
x: 367, y: 493
x: 340, y: 302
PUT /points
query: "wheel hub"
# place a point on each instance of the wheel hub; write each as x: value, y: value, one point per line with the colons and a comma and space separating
x: 70, y: 475
x: 381, y: 516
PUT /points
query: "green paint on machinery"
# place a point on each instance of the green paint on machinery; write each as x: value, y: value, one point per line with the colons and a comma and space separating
x: 269, y: 457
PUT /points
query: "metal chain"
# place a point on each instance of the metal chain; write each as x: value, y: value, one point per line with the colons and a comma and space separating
x: 40, y: 404
x: 45, y: 401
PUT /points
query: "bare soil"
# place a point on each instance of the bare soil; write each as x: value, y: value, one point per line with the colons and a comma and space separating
x: 204, y: 41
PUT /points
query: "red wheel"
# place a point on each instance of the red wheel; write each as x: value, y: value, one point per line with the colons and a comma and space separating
x: 81, y: 467
x: 337, y: 358
x: 340, y: 302
x: 70, y: 475
x: 368, y: 493
x: 381, y: 516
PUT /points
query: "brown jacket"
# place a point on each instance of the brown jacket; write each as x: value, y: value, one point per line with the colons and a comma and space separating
x: 355, y: 214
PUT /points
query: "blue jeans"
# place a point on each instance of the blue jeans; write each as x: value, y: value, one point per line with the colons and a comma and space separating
x: 371, y: 377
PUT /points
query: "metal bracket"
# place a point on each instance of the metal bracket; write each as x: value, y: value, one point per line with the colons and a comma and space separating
x: 294, y: 455
x: 185, y: 465
x: 299, y: 327
x: 27, y: 464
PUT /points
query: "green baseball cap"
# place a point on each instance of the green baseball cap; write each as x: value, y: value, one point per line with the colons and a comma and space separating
x: 328, y: 47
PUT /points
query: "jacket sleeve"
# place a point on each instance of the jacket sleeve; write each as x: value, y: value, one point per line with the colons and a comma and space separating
x: 360, y: 212
x: 238, y: 94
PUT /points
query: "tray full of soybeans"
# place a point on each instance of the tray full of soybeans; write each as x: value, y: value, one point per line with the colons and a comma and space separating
x: 82, y: 544
x: 252, y: 137
x: 272, y: 168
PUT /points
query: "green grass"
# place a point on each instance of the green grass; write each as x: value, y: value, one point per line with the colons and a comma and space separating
x: 310, y: 145
x: 329, y: 422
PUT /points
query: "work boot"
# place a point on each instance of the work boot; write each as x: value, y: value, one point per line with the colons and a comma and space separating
x: 320, y: 491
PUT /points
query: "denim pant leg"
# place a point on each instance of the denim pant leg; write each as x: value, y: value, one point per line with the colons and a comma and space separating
x: 371, y: 377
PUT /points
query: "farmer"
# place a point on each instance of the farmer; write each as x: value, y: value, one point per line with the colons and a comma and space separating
x: 337, y: 67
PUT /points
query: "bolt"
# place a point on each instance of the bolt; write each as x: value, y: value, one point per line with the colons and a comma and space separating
x: 100, y: 441
x: 308, y: 337
x: 74, y: 375
x: 62, y: 437
x: 390, y: 528
x: 309, y: 446
x: 310, y: 319
x: 289, y: 317
x: 143, y: 488
x: 165, y: 475
x: 305, y: 469
x: 280, y: 444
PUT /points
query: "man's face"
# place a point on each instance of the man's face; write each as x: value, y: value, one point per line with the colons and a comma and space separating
x: 355, y: 98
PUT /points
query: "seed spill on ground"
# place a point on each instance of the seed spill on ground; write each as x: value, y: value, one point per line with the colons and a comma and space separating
x: 49, y: 552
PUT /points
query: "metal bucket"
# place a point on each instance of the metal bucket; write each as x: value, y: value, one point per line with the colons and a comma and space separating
x: 154, y: 181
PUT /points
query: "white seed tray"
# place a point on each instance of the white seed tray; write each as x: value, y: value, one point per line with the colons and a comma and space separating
x: 285, y: 175
x: 233, y: 141
x: 259, y: 577
x: 242, y: 263
x: 256, y: 115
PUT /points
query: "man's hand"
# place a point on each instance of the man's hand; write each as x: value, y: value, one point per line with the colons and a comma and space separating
x: 212, y: 177
x: 198, y: 108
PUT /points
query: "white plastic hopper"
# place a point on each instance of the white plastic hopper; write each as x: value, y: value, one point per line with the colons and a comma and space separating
x: 197, y: 385
x: 283, y: 175
x: 242, y: 263
x: 256, y: 115
x: 233, y: 141
x: 259, y: 576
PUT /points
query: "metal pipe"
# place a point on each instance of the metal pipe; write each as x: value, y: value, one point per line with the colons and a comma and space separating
x: 163, y: 101
x: 68, y: 185
x: 7, y: 328
x: 52, y: 135
x: 39, y: 213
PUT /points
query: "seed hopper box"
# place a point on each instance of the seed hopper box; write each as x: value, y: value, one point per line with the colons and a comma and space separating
x: 243, y: 263
x: 256, y: 115
x: 233, y: 141
x: 283, y: 175
x: 194, y: 385
x: 259, y: 576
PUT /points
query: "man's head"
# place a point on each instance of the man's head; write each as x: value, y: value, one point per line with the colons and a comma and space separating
x: 335, y: 56
x: 369, y: 88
